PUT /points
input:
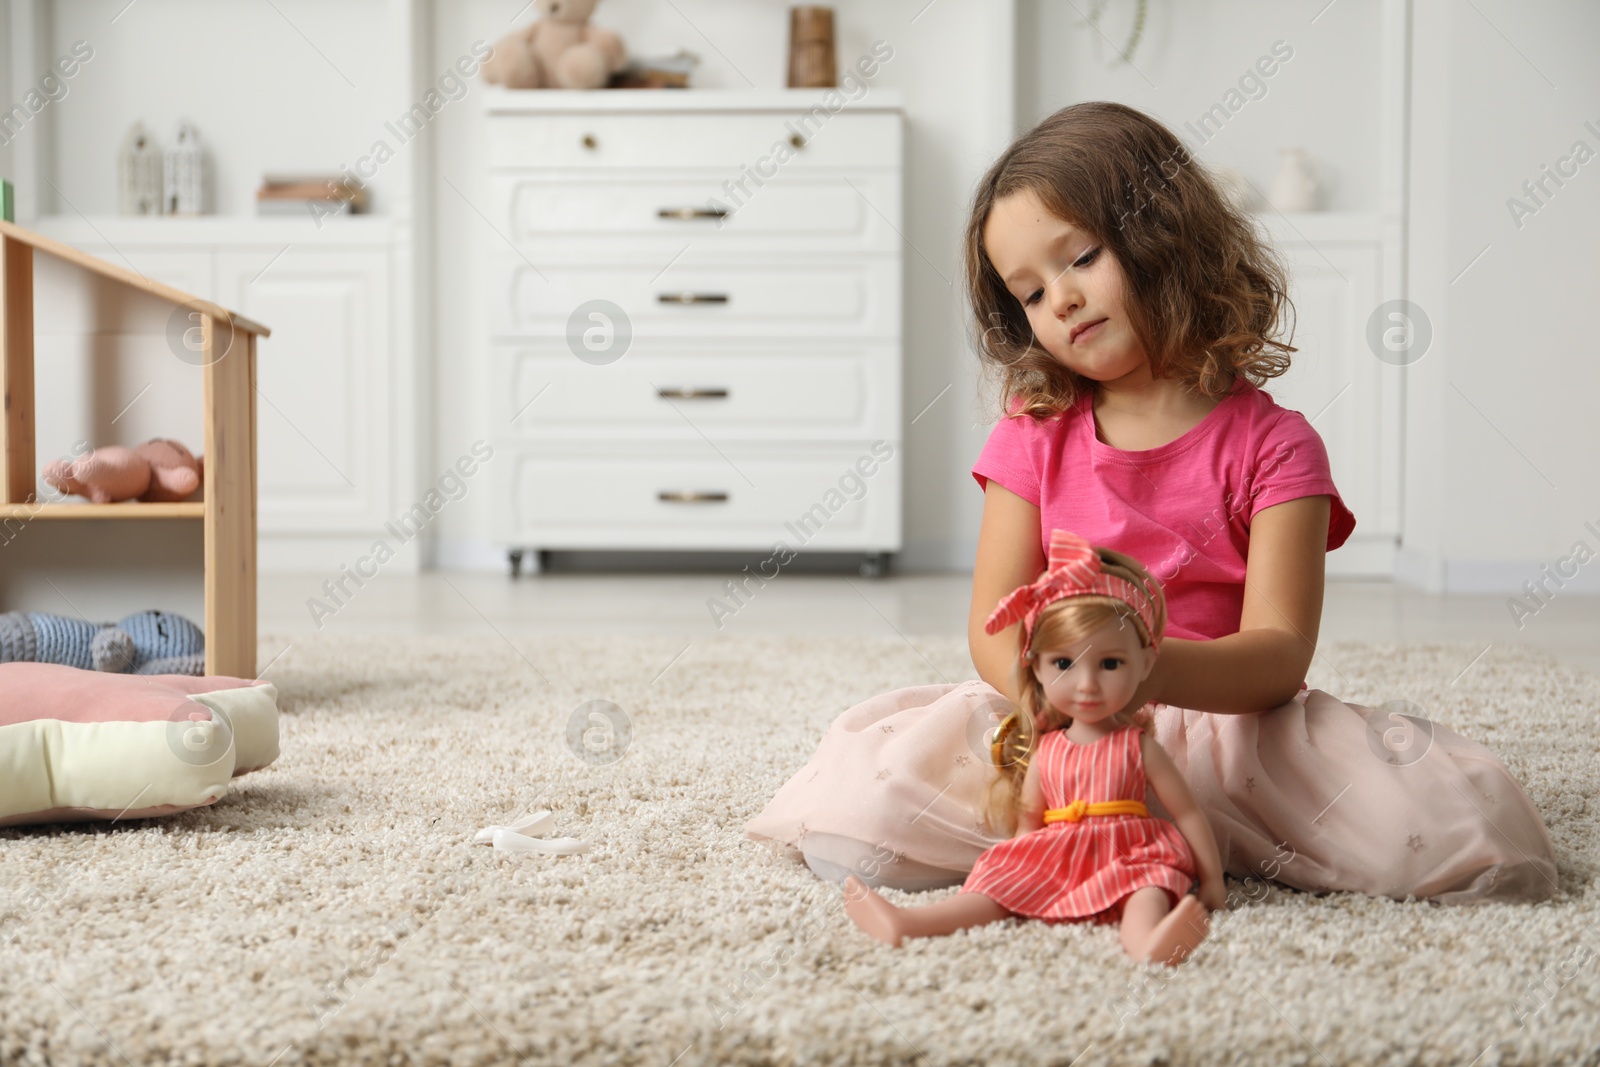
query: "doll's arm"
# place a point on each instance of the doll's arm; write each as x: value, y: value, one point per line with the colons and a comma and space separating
x: 1030, y: 816
x: 1176, y: 797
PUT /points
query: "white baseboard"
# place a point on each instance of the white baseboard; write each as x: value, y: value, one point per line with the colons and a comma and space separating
x: 469, y: 554
x: 1364, y: 558
x: 918, y: 557
x: 277, y: 554
x: 1433, y: 573
x: 1420, y: 570
x: 1379, y: 559
x: 935, y: 557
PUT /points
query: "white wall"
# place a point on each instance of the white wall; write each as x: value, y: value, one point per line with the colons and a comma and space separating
x: 954, y: 127
x: 7, y: 167
x: 1324, y: 98
x: 301, y: 86
x: 1501, y: 473
x: 1499, y: 477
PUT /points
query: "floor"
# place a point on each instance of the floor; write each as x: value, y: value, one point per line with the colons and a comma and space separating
x: 693, y: 606
x: 675, y: 940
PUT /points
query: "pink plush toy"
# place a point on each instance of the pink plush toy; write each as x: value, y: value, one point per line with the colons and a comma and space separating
x: 158, y: 470
x: 558, y: 51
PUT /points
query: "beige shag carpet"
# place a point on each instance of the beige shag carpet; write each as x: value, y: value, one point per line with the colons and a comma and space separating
x: 331, y: 908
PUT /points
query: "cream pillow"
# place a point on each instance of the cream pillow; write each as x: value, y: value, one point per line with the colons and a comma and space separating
x: 78, y: 745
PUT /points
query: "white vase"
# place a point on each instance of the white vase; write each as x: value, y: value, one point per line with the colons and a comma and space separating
x: 1294, y: 187
x: 1234, y: 186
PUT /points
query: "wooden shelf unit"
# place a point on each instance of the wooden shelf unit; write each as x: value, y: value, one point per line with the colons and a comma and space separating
x: 229, y: 489
x: 127, y: 510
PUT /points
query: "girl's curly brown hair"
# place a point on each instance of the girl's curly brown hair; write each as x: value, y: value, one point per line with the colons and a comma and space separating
x: 1205, y: 294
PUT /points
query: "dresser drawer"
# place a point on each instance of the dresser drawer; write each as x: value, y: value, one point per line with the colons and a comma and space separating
x: 843, y: 298
x: 843, y: 500
x: 763, y: 142
x: 748, y: 393
x: 552, y: 216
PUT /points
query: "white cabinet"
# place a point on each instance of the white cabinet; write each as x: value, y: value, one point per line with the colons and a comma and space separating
x: 324, y: 388
x: 704, y: 299
x: 676, y: 495
x: 752, y: 391
x: 557, y: 214
x: 694, y: 317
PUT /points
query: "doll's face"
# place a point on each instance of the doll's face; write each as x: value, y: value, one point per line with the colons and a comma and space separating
x: 1096, y: 677
x: 1070, y: 287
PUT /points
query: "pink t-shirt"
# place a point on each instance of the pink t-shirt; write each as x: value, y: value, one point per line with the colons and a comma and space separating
x: 1184, y: 509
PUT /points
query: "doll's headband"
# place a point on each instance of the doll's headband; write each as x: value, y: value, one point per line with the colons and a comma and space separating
x: 1074, y: 570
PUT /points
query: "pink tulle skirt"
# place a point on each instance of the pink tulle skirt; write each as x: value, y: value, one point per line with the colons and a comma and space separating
x: 1317, y: 794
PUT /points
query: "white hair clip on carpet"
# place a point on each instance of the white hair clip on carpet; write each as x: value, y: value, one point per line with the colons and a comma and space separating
x: 527, y: 835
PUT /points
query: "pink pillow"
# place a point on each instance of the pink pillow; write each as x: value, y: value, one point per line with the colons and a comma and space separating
x: 78, y: 745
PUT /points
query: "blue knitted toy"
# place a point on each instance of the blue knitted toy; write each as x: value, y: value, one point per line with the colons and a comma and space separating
x: 151, y: 642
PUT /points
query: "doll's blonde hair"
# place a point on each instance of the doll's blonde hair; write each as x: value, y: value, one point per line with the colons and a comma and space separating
x: 1063, y: 622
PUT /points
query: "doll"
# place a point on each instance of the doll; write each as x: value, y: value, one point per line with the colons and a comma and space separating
x: 1071, y: 766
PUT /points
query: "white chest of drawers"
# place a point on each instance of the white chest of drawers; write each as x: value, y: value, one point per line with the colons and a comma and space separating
x: 739, y: 388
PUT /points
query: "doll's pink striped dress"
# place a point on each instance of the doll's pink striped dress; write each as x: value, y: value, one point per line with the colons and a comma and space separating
x: 1086, y: 869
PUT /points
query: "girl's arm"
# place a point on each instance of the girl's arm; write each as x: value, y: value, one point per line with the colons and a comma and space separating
x: 1010, y: 553
x: 1262, y: 665
x: 1030, y: 816
x: 1165, y: 778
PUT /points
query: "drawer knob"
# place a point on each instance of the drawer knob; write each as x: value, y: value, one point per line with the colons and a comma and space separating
x: 692, y: 298
x: 692, y: 213
x: 796, y: 140
x: 589, y: 141
x: 677, y: 393
x: 691, y: 496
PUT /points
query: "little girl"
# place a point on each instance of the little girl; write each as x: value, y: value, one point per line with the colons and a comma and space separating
x: 1131, y: 315
x: 1086, y: 846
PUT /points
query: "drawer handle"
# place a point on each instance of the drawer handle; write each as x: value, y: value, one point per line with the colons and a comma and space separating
x: 692, y: 213
x: 692, y: 298
x: 670, y: 393
x: 691, y: 496
x: 590, y: 142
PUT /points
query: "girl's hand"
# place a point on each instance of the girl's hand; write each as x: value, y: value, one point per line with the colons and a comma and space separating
x: 1213, y: 895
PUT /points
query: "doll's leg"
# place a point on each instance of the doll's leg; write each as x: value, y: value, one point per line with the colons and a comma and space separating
x: 891, y: 924
x: 1154, y: 934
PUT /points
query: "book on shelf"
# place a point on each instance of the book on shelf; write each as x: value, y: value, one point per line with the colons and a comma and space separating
x: 668, y: 72
x: 313, y: 206
x: 319, y: 194
x: 8, y: 201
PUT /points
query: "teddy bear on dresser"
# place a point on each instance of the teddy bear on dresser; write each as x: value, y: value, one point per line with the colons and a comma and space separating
x: 559, y: 50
